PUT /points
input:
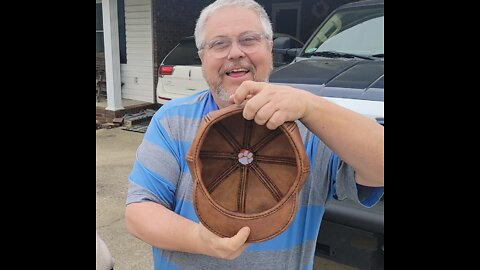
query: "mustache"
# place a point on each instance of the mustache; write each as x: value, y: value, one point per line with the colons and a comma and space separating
x: 236, y: 64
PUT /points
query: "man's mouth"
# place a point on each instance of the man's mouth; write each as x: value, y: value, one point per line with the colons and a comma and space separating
x: 236, y: 73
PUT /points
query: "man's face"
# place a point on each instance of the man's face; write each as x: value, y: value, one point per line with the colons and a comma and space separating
x: 225, y: 74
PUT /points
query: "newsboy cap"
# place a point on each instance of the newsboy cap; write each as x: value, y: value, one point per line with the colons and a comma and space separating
x: 246, y: 175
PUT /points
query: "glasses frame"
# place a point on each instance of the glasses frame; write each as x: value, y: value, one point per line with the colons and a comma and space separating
x: 208, y: 45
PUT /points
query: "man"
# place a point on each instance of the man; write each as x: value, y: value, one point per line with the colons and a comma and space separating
x: 234, y: 38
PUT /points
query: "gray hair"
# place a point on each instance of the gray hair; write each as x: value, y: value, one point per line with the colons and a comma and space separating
x: 250, y: 4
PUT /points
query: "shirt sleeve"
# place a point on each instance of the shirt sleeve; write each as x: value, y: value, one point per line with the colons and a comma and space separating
x: 343, y: 178
x: 156, y: 169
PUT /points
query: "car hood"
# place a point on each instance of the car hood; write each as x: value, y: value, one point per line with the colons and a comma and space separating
x: 354, y: 79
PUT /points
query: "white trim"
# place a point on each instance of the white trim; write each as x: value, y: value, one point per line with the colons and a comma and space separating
x: 112, y: 55
x: 369, y: 108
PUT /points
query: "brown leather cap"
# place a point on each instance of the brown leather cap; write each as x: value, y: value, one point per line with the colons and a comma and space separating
x: 246, y: 174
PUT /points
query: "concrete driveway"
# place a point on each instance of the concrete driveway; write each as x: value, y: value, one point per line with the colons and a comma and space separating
x: 115, y: 156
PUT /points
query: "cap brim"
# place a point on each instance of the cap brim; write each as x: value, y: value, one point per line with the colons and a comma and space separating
x: 263, y: 226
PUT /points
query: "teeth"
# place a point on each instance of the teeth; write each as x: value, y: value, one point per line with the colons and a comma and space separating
x: 238, y: 70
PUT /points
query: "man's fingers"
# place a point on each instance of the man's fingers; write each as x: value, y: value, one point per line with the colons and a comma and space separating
x: 240, y: 238
x: 262, y: 115
x: 246, y: 90
x: 276, y: 120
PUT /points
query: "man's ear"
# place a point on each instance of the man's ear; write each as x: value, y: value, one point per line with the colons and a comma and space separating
x: 200, y: 55
x: 271, y: 46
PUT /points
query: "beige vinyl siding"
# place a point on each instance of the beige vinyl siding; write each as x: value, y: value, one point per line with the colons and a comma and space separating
x: 137, y: 74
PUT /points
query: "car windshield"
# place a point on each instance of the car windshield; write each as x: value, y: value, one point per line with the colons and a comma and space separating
x: 355, y: 31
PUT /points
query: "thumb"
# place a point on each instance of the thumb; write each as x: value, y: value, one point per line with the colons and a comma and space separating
x: 241, y: 237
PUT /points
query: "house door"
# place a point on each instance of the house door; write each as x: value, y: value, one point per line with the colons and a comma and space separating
x: 286, y: 18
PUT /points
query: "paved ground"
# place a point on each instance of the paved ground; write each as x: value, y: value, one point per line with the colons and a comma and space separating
x: 115, y: 155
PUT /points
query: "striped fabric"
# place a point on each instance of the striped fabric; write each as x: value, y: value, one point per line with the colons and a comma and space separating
x: 161, y: 174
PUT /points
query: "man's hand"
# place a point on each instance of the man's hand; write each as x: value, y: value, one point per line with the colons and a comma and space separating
x: 224, y: 248
x: 272, y: 105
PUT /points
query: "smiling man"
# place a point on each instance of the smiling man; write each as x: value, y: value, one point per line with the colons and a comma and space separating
x: 234, y: 46
x: 345, y: 149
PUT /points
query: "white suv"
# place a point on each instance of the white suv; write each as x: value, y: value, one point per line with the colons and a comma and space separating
x: 180, y: 73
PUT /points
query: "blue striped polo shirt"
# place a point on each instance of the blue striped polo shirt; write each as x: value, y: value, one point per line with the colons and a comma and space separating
x: 160, y: 174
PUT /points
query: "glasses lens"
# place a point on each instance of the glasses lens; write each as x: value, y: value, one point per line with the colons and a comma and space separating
x: 248, y: 43
x: 220, y: 47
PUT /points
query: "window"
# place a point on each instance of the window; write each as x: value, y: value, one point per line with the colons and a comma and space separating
x: 357, y: 30
x: 185, y: 54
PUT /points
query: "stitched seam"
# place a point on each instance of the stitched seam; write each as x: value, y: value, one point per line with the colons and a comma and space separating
x: 221, y: 177
x: 267, y: 182
x: 276, y: 160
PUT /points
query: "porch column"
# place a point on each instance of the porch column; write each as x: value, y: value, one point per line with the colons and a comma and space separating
x: 112, y: 55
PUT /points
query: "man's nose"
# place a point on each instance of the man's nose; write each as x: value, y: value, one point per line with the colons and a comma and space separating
x: 235, y: 51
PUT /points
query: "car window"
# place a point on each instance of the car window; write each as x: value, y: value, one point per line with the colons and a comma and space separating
x: 184, y: 54
x: 356, y: 31
x: 294, y: 42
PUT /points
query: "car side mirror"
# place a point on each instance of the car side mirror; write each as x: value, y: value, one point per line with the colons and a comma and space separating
x: 283, y: 53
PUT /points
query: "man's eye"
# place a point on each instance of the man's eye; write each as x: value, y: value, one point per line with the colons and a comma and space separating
x: 248, y: 40
x: 219, y: 44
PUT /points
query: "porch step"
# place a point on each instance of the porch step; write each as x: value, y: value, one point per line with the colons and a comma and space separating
x: 138, y: 119
x: 106, y: 116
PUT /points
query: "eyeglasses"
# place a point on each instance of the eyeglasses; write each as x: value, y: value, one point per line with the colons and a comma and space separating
x: 220, y: 47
